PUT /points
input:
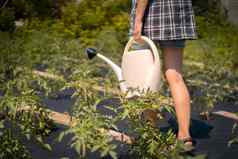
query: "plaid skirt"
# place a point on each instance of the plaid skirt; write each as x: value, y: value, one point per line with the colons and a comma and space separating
x: 167, y: 20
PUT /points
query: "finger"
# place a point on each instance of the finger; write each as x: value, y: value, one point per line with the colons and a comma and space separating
x: 137, y: 37
x: 140, y: 40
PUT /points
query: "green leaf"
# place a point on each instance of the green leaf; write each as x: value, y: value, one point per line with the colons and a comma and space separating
x: 28, y: 136
x: 95, y: 148
x: 48, y: 147
x: 113, y: 154
x: 235, y: 140
x: 77, y: 147
x: 2, y: 124
x: 104, y: 152
x: 39, y: 139
x: 60, y: 137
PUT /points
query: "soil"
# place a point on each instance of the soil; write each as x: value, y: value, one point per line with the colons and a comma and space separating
x: 211, y: 136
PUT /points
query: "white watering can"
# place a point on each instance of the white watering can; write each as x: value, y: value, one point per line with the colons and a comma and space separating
x: 140, y: 69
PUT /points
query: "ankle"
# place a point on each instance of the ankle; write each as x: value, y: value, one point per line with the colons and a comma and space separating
x: 183, y: 135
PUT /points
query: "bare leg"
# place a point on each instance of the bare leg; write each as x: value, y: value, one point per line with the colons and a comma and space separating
x: 173, y: 66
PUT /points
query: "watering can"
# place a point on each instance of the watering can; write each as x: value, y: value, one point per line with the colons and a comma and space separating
x: 140, y: 69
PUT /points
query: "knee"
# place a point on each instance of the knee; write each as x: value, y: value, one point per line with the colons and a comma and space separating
x: 173, y: 77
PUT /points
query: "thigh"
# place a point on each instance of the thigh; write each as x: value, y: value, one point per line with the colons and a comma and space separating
x: 173, y: 59
x: 173, y: 53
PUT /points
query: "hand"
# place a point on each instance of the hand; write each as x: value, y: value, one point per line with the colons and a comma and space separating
x: 137, y: 32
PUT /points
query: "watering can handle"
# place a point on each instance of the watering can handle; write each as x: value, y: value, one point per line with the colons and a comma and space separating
x: 148, y: 41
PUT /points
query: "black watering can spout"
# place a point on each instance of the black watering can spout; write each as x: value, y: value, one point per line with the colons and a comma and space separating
x: 91, y: 53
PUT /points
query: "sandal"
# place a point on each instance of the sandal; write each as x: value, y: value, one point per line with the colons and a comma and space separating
x: 188, y: 144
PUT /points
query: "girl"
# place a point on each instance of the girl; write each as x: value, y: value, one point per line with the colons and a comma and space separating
x: 168, y: 23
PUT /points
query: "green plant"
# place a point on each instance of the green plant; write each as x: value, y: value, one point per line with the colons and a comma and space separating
x: 7, y: 19
x: 88, y: 18
x: 10, y: 147
x: 234, y: 135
